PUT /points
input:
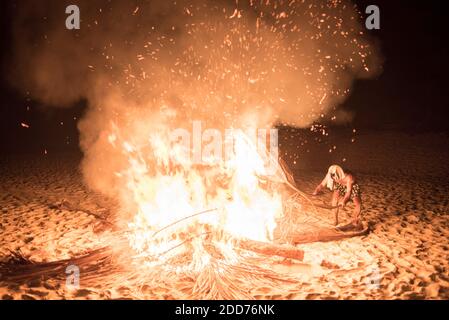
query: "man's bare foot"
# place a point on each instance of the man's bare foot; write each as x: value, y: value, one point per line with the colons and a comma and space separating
x: 351, y: 227
x: 357, y: 225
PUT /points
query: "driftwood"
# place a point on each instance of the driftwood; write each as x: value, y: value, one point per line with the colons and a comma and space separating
x: 271, y: 249
x: 18, y: 270
x: 319, y: 235
x: 281, y: 249
x: 65, y: 205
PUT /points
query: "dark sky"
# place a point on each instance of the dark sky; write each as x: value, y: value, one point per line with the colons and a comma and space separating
x: 411, y: 95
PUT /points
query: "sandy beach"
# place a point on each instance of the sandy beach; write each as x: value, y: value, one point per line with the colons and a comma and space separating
x: 405, y: 183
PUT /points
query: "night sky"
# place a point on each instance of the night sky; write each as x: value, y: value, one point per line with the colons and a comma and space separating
x: 410, y: 95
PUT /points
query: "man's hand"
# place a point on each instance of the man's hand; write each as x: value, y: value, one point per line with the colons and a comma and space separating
x: 317, y: 190
x: 342, y: 203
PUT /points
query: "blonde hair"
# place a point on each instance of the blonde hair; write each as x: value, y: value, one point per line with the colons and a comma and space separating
x: 336, y: 171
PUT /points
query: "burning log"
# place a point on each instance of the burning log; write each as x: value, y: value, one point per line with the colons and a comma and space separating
x: 270, y: 249
x: 318, y: 235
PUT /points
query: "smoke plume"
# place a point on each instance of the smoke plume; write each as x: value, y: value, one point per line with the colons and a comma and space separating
x: 149, y: 66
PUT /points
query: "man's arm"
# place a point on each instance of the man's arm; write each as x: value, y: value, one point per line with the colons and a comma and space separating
x: 320, y: 187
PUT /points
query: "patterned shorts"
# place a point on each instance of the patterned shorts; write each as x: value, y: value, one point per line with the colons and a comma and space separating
x: 355, y: 193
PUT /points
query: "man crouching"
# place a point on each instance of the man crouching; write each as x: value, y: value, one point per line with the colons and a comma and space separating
x: 345, y: 189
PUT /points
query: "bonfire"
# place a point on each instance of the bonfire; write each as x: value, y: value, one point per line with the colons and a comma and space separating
x: 221, y: 226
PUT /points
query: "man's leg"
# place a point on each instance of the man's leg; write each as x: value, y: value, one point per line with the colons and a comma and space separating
x: 335, y: 198
x: 356, y: 219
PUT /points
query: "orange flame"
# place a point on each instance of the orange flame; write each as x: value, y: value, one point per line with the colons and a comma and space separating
x: 166, y: 187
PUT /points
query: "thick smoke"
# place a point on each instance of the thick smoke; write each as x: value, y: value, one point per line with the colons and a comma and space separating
x: 148, y: 66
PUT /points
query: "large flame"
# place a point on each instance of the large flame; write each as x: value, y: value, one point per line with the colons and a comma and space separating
x: 173, y: 195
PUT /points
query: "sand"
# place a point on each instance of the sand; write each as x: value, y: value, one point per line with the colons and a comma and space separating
x: 405, y: 183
